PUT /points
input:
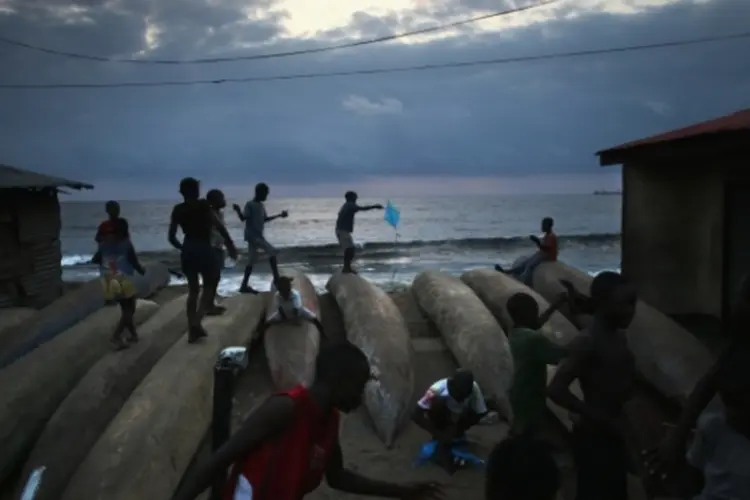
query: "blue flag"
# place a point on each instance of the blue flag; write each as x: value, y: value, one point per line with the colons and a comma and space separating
x: 392, y: 216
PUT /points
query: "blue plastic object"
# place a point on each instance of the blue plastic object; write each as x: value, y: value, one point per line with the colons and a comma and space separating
x: 461, y: 455
x: 392, y: 215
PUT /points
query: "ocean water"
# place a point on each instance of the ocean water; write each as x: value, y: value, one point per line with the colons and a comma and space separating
x: 450, y: 234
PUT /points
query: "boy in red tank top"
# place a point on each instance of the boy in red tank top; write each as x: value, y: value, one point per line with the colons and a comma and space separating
x: 285, y: 447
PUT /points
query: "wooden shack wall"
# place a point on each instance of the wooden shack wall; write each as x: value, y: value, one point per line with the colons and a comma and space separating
x: 30, y: 250
x: 672, y: 236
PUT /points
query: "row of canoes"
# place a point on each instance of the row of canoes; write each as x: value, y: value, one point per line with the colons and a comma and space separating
x: 126, y: 424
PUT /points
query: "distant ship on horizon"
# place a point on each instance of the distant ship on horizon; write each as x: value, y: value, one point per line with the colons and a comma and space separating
x: 608, y: 193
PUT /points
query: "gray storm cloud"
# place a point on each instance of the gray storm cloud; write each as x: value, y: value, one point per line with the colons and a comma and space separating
x: 545, y: 117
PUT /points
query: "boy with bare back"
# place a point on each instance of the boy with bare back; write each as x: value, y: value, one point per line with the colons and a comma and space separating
x: 605, y: 368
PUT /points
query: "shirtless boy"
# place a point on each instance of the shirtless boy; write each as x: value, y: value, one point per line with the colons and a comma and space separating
x: 605, y: 368
x: 197, y: 219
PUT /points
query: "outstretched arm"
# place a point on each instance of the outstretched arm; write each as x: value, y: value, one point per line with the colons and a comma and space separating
x: 342, y: 479
x: 552, y: 309
x: 365, y: 208
x: 283, y: 214
x: 269, y: 420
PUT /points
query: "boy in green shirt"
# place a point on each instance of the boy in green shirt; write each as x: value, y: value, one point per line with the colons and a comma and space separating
x: 532, y: 351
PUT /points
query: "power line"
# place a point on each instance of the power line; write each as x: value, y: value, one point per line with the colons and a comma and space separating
x: 275, y: 55
x: 376, y: 71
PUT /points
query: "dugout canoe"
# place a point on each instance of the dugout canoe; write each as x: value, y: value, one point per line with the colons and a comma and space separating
x: 374, y: 324
x: 11, y: 316
x: 84, y: 415
x: 68, y: 310
x: 669, y: 357
x: 470, y: 331
x: 146, y: 448
x: 494, y: 289
x: 32, y: 388
x: 291, y: 347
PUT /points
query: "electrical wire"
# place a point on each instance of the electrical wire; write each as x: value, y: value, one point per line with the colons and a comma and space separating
x: 276, y: 55
x: 376, y: 71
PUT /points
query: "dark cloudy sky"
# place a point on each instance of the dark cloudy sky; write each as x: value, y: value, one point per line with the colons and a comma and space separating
x: 526, y: 126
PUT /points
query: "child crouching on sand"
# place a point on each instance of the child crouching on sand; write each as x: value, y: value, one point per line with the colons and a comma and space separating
x: 117, y: 267
x: 287, y: 305
x: 449, y: 408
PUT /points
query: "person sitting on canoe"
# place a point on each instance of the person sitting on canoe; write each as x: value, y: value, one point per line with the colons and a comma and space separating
x: 113, y: 215
x: 520, y: 468
x: 449, y: 408
x: 532, y: 351
x: 345, y: 227
x: 547, y: 252
x: 118, y: 263
x: 287, y: 445
x: 288, y: 306
x: 605, y: 368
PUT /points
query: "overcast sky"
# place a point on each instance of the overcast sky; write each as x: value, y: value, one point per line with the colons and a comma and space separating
x: 531, y: 126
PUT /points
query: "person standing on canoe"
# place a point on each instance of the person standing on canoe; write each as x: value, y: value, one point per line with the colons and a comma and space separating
x: 287, y: 445
x: 532, y: 351
x: 602, y: 362
x: 197, y: 219
x: 254, y: 216
x: 113, y: 214
x: 547, y: 252
x: 345, y: 227
x: 217, y: 200
x: 288, y: 306
x: 449, y: 408
x: 118, y: 264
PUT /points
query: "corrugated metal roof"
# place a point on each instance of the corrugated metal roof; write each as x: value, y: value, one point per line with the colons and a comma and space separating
x: 12, y: 177
x: 731, y: 123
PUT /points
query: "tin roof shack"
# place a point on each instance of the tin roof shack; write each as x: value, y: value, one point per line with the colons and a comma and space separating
x: 30, y: 269
x: 686, y: 214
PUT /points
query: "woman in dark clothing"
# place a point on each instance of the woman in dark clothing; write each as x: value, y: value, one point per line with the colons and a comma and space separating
x: 197, y: 220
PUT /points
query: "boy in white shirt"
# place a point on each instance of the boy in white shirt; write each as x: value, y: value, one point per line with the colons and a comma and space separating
x: 449, y: 408
x: 288, y: 306
x: 721, y: 447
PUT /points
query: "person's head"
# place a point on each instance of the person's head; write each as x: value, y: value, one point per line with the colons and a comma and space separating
x: 113, y: 209
x: 216, y: 198
x: 343, y: 369
x: 350, y: 196
x: 190, y: 188
x: 284, y: 286
x: 461, y: 385
x: 521, y: 469
x: 547, y: 224
x: 733, y: 386
x: 614, y: 299
x: 261, y: 191
x: 523, y: 310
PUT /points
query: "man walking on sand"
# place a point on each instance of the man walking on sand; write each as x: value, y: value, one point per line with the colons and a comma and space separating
x: 254, y: 216
x: 345, y: 227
